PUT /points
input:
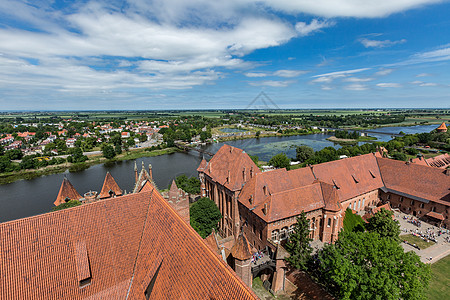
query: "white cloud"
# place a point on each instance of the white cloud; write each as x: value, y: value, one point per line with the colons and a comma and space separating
x: 347, y: 8
x: 384, y: 72
x: 272, y: 83
x: 356, y: 87
x: 380, y: 44
x: 346, y: 72
x: 326, y: 87
x: 356, y: 79
x: 420, y: 83
x: 255, y: 74
x: 440, y: 54
x: 315, y: 25
x: 288, y: 73
x: 423, y: 75
x: 388, y: 85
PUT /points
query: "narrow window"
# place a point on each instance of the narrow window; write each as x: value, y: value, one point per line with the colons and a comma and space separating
x: 329, y: 222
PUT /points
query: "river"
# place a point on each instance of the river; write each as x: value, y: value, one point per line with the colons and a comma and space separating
x: 30, y: 197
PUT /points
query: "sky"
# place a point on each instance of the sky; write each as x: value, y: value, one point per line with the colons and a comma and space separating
x: 206, y: 54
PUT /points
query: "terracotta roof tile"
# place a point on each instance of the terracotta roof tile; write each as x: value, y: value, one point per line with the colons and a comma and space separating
x: 66, y: 192
x: 342, y: 174
x: 412, y: 179
x: 126, y: 240
x: 109, y: 188
x: 241, y: 249
x: 231, y: 167
x: 442, y: 127
x: 436, y: 215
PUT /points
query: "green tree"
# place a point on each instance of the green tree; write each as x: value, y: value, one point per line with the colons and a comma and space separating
x: 298, y: 244
x: 364, y: 265
x: 78, y: 156
x: 189, y: 185
x: 70, y: 203
x: 280, y: 161
x: 399, y: 156
x: 304, y: 153
x: 108, y: 151
x: 254, y: 158
x: 204, y: 216
x: 257, y: 134
x: 383, y: 224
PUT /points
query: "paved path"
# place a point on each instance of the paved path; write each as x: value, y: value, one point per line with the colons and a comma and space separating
x: 437, y: 251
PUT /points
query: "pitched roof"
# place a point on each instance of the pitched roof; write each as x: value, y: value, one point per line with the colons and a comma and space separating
x: 118, y: 248
x: 441, y: 161
x: 241, y: 249
x: 435, y: 215
x: 351, y: 176
x: 231, y: 167
x: 290, y: 203
x: 202, y: 166
x: 173, y: 187
x: 110, y: 187
x: 66, y: 192
x: 442, y: 127
x: 415, y: 180
x: 330, y: 197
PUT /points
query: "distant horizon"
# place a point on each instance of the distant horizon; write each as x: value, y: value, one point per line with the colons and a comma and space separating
x: 97, y: 54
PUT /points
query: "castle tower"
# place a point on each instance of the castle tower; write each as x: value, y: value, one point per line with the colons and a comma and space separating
x: 442, y: 128
x: 110, y: 188
x: 242, y: 254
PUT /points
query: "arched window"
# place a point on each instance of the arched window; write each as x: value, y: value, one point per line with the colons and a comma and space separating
x: 329, y: 222
x: 275, y: 235
x: 283, y: 233
x: 291, y: 229
x: 359, y: 204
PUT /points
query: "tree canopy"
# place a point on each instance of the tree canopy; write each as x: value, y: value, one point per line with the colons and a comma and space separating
x: 383, y: 224
x: 108, y: 151
x: 304, y: 153
x: 298, y: 244
x: 189, y: 185
x: 280, y: 161
x: 70, y: 203
x: 364, y: 265
x: 205, y: 216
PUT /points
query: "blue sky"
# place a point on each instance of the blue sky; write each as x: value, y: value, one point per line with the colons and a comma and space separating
x: 203, y: 54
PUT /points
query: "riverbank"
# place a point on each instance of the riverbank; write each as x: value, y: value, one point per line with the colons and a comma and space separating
x: 351, y: 141
x: 262, y: 135
x: 96, y: 159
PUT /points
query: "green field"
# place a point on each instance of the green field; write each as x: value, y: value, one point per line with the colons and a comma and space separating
x: 439, y: 287
x: 416, y: 240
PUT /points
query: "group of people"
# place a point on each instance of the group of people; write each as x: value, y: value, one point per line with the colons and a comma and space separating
x: 258, y: 255
x: 413, y: 221
x: 428, y: 235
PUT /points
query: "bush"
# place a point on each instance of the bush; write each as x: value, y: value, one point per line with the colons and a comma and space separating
x: 71, y: 203
x: 204, y: 216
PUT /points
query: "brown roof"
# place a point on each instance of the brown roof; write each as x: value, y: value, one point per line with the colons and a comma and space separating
x: 109, y: 188
x: 66, y: 192
x: 241, y: 249
x: 330, y: 197
x: 202, y: 166
x: 441, y: 161
x: 173, y: 187
x: 442, y: 126
x: 415, y: 180
x: 290, y: 203
x: 115, y: 249
x: 435, y: 215
x: 351, y: 176
x: 231, y: 167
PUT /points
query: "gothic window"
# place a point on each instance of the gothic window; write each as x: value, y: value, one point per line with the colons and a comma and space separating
x: 422, y: 205
x: 329, y: 222
x: 412, y: 202
x: 275, y: 234
x: 433, y: 208
x: 291, y: 229
x: 283, y: 233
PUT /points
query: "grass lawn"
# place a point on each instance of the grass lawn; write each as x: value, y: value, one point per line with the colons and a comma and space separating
x: 439, y: 287
x: 416, y: 240
x: 263, y: 294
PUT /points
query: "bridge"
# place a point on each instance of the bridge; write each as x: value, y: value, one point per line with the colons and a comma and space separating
x: 185, y: 147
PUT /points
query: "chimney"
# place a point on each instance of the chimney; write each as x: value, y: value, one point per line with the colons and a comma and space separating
x: 265, y: 209
x: 150, y: 171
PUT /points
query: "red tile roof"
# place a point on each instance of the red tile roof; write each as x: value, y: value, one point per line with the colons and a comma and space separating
x: 241, y: 249
x: 412, y: 179
x: 442, y: 127
x: 435, y: 215
x: 231, y: 167
x: 125, y: 244
x: 66, y: 192
x: 110, y: 187
x: 352, y: 176
x: 202, y: 166
x: 290, y: 203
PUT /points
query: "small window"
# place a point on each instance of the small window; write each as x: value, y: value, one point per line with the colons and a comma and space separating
x: 260, y: 234
x: 389, y: 197
x: 433, y: 208
x: 412, y: 202
x: 329, y: 222
x: 401, y: 199
x: 422, y: 205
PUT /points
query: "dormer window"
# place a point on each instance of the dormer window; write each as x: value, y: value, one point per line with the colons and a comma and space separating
x: 355, y: 179
x: 251, y: 199
x: 82, y: 264
x: 265, y: 190
x: 336, y: 184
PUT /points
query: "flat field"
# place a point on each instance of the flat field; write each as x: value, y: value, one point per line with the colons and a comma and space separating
x: 440, y: 280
